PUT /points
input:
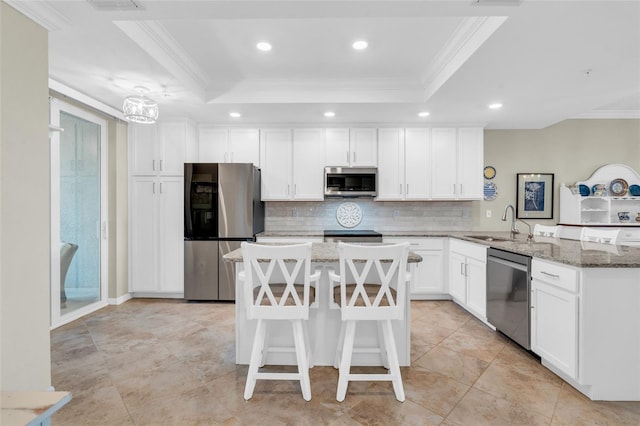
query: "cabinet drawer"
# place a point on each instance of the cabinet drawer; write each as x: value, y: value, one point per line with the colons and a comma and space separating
x: 555, y: 274
x: 476, y: 251
x: 418, y: 243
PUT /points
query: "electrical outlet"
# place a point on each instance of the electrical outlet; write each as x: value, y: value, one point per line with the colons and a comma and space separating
x: 396, y: 214
x: 488, y: 213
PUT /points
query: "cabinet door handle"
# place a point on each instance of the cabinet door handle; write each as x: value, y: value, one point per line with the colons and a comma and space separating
x: 549, y: 274
x: 407, y: 188
x: 460, y: 188
x: 154, y: 187
x: 153, y: 165
x: 466, y: 269
x: 354, y: 157
x: 161, y: 187
x: 160, y: 165
x: 288, y: 188
x: 462, y: 269
x: 454, y: 188
x: 295, y: 189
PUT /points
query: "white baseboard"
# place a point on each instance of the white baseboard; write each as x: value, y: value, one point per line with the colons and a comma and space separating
x: 119, y: 300
x: 157, y: 295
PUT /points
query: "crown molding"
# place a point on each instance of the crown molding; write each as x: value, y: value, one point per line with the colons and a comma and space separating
x: 43, y: 13
x: 158, y: 43
x: 87, y: 100
x: 609, y: 114
x: 467, y: 38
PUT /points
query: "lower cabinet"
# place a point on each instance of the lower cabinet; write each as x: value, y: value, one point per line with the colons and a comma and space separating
x: 157, y: 239
x: 554, y: 315
x: 468, y: 276
x: 428, y: 278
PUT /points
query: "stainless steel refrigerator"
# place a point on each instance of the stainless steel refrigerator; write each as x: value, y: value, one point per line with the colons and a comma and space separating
x: 222, y: 209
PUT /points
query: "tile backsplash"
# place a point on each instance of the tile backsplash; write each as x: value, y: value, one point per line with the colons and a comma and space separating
x: 376, y: 215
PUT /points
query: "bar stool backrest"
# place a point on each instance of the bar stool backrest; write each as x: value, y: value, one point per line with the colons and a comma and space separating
x: 373, y: 281
x: 546, y: 231
x: 273, y: 278
x: 605, y: 236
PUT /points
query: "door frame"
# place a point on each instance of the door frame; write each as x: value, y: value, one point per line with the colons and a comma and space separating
x: 55, y: 107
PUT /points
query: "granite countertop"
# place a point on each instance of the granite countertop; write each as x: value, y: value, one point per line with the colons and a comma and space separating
x: 320, y: 252
x: 569, y: 252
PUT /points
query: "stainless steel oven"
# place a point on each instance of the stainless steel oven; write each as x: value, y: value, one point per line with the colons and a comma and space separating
x: 344, y: 182
x: 508, y: 294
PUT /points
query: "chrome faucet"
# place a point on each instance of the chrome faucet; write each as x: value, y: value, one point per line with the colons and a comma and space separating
x: 514, y: 229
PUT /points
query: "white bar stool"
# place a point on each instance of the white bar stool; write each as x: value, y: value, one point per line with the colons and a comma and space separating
x: 546, y: 231
x: 273, y: 291
x: 605, y: 236
x: 372, y: 286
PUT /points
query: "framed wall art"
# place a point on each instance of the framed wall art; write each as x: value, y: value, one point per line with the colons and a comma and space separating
x: 535, y: 196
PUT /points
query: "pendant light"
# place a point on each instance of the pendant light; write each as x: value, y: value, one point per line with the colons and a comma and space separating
x: 139, y: 108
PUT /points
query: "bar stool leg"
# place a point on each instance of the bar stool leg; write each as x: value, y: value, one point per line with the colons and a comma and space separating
x: 256, y: 356
x: 301, y: 355
x: 265, y: 345
x: 394, y: 365
x: 345, y: 362
x: 382, y: 345
x: 336, y: 361
x: 307, y: 344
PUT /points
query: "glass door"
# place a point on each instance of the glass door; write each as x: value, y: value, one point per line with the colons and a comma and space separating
x: 78, y: 213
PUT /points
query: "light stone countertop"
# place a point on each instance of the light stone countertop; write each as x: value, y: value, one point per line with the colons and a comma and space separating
x: 320, y: 252
x: 569, y: 252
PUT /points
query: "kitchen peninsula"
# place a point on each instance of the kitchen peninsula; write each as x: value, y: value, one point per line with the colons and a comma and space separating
x: 324, y: 320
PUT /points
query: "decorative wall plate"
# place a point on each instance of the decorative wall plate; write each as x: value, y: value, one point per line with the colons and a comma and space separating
x: 349, y: 214
x: 618, y: 187
x: 489, y: 172
x: 490, y: 191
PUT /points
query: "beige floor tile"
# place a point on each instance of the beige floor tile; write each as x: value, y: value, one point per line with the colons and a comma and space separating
x: 455, y: 365
x: 433, y: 391
x: 534, y: 393
x: 576, y: 409
x: 382, y: 410
x: 480, y: 346
x: 479, y: 408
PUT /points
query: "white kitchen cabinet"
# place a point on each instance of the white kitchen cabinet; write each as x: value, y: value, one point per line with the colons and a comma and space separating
x: 457, y: 158
x: 162, y: 148
x: 554, y: 315
x: 156, y: 259
x: 468, y: 276
x: 308, y: 164
x: 403, y: 164
x: 351, y: 147
x: 427, y: 277
x: 292, y: 164
x: 229, y: 146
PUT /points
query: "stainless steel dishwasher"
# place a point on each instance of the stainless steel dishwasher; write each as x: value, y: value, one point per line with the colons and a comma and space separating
x: 509, y: 293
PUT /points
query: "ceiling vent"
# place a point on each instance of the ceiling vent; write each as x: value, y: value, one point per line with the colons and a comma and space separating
x: 116, y: 5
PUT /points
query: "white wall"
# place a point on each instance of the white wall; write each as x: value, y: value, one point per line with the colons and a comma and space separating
x: 571, y: 149
x: 24, y: 204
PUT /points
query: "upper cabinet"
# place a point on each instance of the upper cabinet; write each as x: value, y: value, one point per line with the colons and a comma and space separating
x: 292, y: 164
x: 457, y: 163
x: 229, y: 146
x: 403, y: 164
x: 161, y: 149
x: 351, y: 147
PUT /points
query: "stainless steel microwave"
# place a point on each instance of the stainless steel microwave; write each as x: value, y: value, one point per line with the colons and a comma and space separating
x: 341, y: 182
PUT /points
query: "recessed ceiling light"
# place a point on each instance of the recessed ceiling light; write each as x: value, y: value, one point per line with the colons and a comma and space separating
x: 329, y: 114
x: 235, y: 114
x: 424, y: 114
x: 495, y: 106
x: 264, y: 46
x: 360, y: 45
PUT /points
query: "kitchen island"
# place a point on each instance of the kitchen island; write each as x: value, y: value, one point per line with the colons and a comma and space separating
x: 324, y: 320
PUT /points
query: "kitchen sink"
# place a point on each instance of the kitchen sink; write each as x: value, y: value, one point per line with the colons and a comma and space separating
x: 488, y: 238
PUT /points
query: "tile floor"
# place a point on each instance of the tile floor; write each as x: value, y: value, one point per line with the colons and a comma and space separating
x: 167, y: 362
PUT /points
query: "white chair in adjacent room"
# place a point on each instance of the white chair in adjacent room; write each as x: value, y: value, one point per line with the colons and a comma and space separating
x: 605, y: 236
x: 277, y: 286
x: 372, y: 286
x: 546, y: 231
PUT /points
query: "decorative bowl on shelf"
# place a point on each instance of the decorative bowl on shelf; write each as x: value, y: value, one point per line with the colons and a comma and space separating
x: 634, y: 190
x: 623, y: 217
x: 618, y: 187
